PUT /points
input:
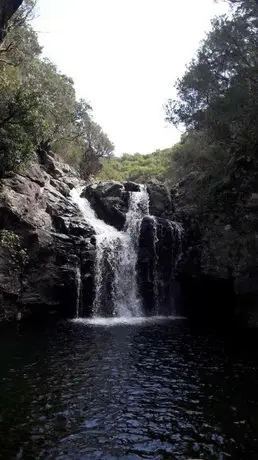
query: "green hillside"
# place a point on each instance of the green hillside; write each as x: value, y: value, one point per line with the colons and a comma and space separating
x: 137, y: 167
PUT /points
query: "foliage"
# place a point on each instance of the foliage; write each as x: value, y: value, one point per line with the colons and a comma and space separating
x: 194, y: 153
x: 38, y: 104
x: 217, y: 99
x: 95, y: 143
x: 137, y: 167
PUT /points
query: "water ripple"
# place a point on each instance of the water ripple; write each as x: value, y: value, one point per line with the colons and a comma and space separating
x: 151, y: 390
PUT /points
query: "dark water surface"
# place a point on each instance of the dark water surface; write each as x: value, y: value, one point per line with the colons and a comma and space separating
x: 151, y: 391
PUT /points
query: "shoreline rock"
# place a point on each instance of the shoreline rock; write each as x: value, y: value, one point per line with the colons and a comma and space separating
x: 36, y: 205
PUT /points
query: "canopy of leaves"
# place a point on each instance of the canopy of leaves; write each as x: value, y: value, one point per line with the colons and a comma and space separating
x: 38, y: 105
x: 217, y: 99
x: 138, y: 168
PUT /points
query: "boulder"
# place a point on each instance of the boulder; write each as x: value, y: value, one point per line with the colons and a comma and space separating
x: 109, y: 201
x: 131, y: 187
x: 160, y: 201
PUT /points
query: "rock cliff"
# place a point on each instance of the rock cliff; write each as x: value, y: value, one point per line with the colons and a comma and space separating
x: 220, y: 257
x: 7, y: 9
x: 36, y: 206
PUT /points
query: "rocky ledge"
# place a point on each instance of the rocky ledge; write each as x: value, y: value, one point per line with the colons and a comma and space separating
x: 35, y: 205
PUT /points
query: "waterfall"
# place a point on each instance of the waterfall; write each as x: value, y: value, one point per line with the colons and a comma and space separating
x: 130, y: 257
x: 126, y: 296
x: 78, y: 282
x: 116, y: 292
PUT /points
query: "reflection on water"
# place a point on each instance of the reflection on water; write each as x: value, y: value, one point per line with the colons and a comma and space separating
x: 154, y: 390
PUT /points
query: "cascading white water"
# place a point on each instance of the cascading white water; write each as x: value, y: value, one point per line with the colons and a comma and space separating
x: 116, y: 287
x: 116, y: 292
x: 125, y: 277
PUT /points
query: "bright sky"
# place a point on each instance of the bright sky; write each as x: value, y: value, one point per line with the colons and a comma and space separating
x: 124, y: 57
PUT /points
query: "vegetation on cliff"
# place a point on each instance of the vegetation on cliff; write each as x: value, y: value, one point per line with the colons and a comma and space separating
x: 217, y: 103
x: 38, y: 107
x: 217, y: 107
x: 137, y: 168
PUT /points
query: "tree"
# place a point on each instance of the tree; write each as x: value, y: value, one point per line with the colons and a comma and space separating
x: 137, y: 167
x: 95, y: 143
x: 38, y: 105
x: 222, y: 80
x: 21, y: 124
x: 218, y: 95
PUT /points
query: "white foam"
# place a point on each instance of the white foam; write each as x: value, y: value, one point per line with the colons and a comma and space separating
x: 124, y: 321
x: 116, y: 286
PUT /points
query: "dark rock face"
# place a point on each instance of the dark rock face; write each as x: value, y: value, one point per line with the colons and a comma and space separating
x: 208, y: 301
x: 110, y: 201
x: 146, y: 263
x: 160, y: 247
x: 221, y: 241
x: 7, y: 9
x: 160, y: 201
x: 36, y: 205
x: 131, y: 187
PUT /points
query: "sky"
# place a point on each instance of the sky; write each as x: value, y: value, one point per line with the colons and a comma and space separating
x: 124, y: 57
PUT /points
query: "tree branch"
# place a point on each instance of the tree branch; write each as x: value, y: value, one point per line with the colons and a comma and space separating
x: 8, y: 48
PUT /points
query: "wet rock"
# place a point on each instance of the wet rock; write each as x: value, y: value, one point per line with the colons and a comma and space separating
x: 160, y: 246
x: 37, y: 206
x: 252, y: 202
x: 160, y: 201
x: 146, y: 264
x: 131, y: 187
x: 110, y: 202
